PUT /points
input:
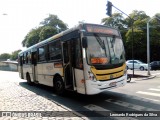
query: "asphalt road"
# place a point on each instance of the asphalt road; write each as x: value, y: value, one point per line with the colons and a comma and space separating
x: 140, y: 97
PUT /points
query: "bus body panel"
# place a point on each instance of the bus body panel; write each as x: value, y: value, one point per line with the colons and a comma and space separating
x: 46, y: 72
x: 79, y: 76
x: 27, y: 69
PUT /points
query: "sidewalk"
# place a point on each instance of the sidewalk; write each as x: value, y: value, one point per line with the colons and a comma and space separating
x: 19, y: 103
x: 142, y: 75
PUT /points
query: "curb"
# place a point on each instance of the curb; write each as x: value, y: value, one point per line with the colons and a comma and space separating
x: 146, y: 78
x: 150, y: 77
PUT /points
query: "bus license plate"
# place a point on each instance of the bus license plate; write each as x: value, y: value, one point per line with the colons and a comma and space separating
x: 112, y: 84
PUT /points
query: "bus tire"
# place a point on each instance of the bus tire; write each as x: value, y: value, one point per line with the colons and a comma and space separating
x: 58, y: 85
x: 29, y: 79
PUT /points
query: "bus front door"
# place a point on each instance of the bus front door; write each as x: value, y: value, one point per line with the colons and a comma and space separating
x: 34, y: 66
x: 68, y: 65
x: 21, y: 67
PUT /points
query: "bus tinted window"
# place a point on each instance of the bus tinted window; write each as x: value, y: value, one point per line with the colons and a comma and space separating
x: 41, y: 54
x: 55, y: 50
x: 24, y: 58
x: 78, y: 54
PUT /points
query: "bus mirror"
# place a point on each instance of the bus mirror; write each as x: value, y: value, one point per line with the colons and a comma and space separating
x: 84, y: 42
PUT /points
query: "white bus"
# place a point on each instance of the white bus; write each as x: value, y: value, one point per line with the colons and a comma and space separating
x: 88, y: 59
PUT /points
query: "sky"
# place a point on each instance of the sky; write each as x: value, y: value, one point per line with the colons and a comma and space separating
x: 18, y: 17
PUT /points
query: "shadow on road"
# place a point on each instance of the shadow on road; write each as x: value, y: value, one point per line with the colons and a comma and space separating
x: 75, y: 101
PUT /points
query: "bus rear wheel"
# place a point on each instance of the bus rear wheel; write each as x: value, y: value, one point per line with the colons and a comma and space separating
x: 59, y: 85
x: 29, y: 80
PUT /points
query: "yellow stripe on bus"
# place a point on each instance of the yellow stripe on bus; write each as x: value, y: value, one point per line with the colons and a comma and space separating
x: 117, y: 73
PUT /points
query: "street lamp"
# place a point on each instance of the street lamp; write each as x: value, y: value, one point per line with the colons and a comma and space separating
x: 148, y: 44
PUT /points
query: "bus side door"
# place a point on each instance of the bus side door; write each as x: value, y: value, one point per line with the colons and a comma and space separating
x: 34, y: 66
x: 73, y: 65
x: 67, y: 63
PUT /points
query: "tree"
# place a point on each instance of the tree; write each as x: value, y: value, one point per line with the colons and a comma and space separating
x: 49, y: 27
x: 46, y: 32
x: 5, y: 56
x: 55, y: 22
x: 116, y: 21
x: 14, y: 55
x: 138, y: 22
x: 32, y: 37
x: 138, y: 37
x: 155, y: 38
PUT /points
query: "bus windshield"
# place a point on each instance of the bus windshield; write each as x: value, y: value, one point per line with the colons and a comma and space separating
x: 103, y: 50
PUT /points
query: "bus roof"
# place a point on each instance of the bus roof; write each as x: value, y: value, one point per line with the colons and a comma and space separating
x: 77, y: 27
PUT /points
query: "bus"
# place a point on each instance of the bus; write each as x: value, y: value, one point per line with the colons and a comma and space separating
x: 87, y: 59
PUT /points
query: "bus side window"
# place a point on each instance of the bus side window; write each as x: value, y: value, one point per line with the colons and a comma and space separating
x: 21, y: 60
x: 24, y: 59
x: 47, y: 52
x: 34, y: 58
x: 41, y: 54
x: 29, y: 57
x: 78, y: 54
x: 65, y: 53
x: 55, y: 51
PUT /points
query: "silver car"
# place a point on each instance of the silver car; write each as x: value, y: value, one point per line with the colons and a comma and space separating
x: 137, y: 65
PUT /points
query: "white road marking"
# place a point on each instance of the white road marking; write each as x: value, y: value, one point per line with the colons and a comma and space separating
x: 152, y: 99
x: 149, y: 93
x: 130, y: 105
x: 154, y: 89
x: 95, y: 108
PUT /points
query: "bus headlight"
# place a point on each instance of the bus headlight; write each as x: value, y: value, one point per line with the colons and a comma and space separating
x: 91, y: 76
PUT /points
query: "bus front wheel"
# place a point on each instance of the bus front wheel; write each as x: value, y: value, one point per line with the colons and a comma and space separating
x: 59, y: 85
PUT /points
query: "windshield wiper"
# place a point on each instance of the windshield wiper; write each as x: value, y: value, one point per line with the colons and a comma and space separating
x: 100, y: 41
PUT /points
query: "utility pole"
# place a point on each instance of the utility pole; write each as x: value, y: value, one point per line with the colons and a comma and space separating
x: 148, y: 44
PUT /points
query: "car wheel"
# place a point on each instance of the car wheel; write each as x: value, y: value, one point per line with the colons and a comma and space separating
x: 128, y: 78
x: 141, y: 68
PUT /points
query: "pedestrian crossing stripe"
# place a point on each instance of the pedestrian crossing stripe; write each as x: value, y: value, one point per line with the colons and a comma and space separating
x: 96, y: 108
x: 149, y: 93
x: 130, y: 105
x: 152, y: 99
x: 154, y: 89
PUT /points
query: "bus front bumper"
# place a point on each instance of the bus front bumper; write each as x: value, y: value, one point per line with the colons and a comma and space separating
x: 95, y: 87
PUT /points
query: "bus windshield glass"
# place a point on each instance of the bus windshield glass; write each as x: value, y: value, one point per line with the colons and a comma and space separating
x: 103, y: 50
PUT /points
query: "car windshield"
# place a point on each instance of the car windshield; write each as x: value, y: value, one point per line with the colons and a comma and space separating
x: 140, y: 62
x: 105, y: 50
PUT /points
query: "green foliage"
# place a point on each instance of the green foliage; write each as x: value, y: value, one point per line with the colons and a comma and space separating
x: 138, y: 39
x: 49, y: 27
x: 5, y: 56
x: 55, y: 22
x: 32, y: 37
x: 116, y: 21
x: 46, y: 32
x: 14, y: 55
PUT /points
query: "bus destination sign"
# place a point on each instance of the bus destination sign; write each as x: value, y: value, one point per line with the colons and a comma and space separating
x: 101, y: 29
